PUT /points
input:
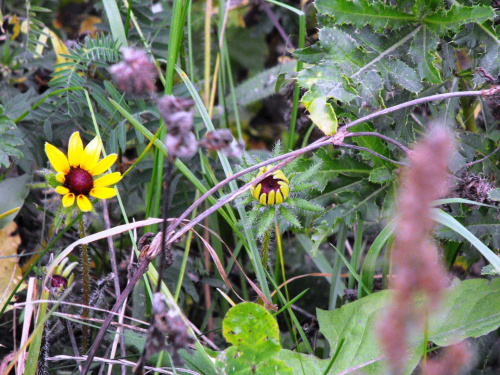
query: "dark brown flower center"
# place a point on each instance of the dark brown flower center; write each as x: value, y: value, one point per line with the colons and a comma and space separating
x: 269, y: 184
x: 79, y: 181
x: 57, y: 281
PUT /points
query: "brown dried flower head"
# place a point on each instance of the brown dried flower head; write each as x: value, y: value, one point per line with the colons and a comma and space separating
x: 136, y: 73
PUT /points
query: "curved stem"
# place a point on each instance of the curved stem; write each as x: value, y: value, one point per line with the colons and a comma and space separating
x: 373, y: 153
x: 381, y: 136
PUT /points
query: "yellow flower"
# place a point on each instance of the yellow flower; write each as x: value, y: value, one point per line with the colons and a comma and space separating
x: 76, y: 172
x: 273, y: 189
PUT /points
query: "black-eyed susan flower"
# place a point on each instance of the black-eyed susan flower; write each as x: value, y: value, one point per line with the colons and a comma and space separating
x: 75, y: 173
x: 273, y: 189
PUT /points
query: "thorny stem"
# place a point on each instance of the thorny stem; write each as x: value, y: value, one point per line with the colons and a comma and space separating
x: 143, y: 267
x: 86, y: 285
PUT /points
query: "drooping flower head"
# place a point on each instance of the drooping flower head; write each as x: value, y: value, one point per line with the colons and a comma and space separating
x: 76, y: 173
x: 63, y: 276
x: 273, y: 189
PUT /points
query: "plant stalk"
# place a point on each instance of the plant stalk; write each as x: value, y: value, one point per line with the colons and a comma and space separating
x: 86, y: 285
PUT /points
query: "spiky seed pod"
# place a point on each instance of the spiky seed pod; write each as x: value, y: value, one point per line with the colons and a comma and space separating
x: 274, y: 189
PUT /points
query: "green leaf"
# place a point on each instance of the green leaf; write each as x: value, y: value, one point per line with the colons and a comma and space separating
x: 302, y: 363
x: 321, y: 112
x: 255, y: 336
x: 423, y: 51
x: 266, y: 221
x: 288, y: 216
x: 450, y: 222
x: 450, y: 20
x: 356, y: 324
x: 13, y: 191
x: 494, y: 194
x: 381, y: 175
x: 368, y: 270
x: 489, y: 270
x: 360, y: 13
x: 304, y: 204
x: 252, y: 330
x: 8, y: 140
x: 115, y: 22
x: 375, y: 144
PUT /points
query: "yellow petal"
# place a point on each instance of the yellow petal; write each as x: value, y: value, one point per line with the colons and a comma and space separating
x: 75, y: 150
x: 57, y: 158
x: 62, y: 190
x: 61, y: 177
x: 103, y: 192
x: 270, y: 199
x: 108, y: 179
x: 84, y: 203
x: 256, y: 191
x: 279, y: 175
x: 279, y: 197
x: 68, y: 200
x: 103, y: 165
x: 91, y: 154
x: 263, y: 200
x: 285, y: 190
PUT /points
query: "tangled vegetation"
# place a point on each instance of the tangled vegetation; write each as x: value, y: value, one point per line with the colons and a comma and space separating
x: 262, y: 187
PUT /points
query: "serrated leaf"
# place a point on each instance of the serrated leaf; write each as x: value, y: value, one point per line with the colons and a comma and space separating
x: 321, y: 112
x: 422, y: 50
x: 374, y: 144
x: 450, y: 20
x: 266, y: 221
x: 304, y: 204
x: 381, y: 175
x: 288, y: 216
x: 361, y: 13
x: 399, y: 73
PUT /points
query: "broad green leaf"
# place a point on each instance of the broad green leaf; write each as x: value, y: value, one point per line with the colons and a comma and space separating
x: 468, y: 309
x: 254, y: 334
x: 321, y: 112
x: 380, y: 175
x: 423, y: 51
x: 361, y: 13
x: 450, y: 20
x: 302, y: 363
x: 14, y: 191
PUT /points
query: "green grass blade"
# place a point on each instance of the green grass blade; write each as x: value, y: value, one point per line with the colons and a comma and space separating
x: 449, y: 221
x: 115, y: 22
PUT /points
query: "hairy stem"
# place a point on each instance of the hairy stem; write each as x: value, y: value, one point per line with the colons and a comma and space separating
x: 86, y: 285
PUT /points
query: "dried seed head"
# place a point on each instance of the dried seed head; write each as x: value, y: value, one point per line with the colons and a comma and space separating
x: 476, y: 188
x: 180, y: 145
x: 222, y: 140
x: 177, y: 113
x: 136, y: 73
